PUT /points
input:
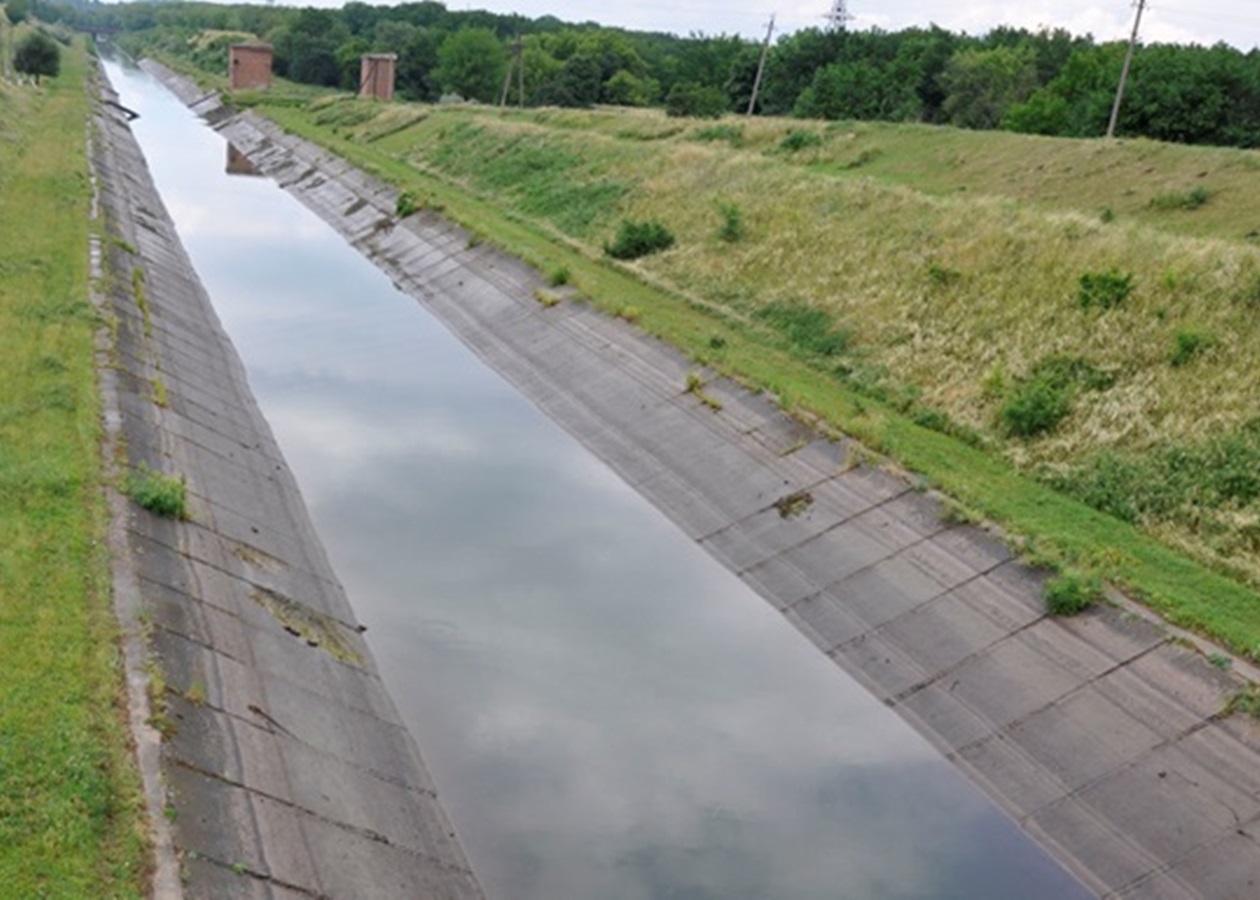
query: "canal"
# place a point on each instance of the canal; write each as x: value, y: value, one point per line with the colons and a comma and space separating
x: 608, y: 713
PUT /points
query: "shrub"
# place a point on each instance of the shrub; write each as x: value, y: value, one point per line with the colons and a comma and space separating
x: 732, y: 228
x: 163, y: 495
x: 1069, y: 595
x: 1035, y: 406
x: 700, y: 101
x: 37, y: 54
x: 797, y: 139
x: 1106, y: 290
x: 637, y: 239
x: 559, y: 276
x: 1191, y: 199
x: 1188, y: 345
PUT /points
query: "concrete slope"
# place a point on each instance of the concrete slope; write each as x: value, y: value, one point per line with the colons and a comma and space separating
x: 1103, y: 736
x: 287, y: 771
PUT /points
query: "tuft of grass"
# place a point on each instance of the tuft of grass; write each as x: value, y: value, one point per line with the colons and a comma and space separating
x: 547, y: 299
x: 1188, y: 346
x: 731, y: 230
x: 1172, y: 200
x: 162, y: 495
x: 1246, y: 702
x: 408, y: 204
x: 798, y: 139
x: 559, y: 276
x: 731, y: 134
x: 1070, y: 595
x: 1104, y: 290
x: 635, y: 240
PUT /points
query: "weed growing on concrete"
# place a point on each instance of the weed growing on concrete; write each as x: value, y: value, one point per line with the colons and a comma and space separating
x: 159, y: 390
x: 1220, y: 660
x: 695, y: 386
x: 1069, y: 594
x: 408, y: 204
x: 163, y: 495
x: 1246, y: 701
x: 638, y: 239
x: 546, y: 298
x: 794, y: 504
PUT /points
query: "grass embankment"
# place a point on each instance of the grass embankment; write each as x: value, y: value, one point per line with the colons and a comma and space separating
x: 943, y: 326
x: 71, y: 820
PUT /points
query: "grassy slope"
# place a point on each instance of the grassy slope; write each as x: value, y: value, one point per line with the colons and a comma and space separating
x: 506, y: 202
x: 70, y: 816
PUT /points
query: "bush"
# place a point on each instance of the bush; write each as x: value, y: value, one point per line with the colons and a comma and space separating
x: 163, y: 495
x: 1189, y: 345
x: 796, y: 140
x: 408, y: 204
x: 637, y: 239
x: 1034, y: 407
x: 37, y: 54
x: 1106, y: 290
x: 699, y: 101
x: 1069, y: 595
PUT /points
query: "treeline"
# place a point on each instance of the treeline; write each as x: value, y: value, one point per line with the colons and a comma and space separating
x: 1045, y: 82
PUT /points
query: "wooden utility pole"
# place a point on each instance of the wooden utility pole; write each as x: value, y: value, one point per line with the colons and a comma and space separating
x: 761, y: 68
x: 1124, y: 74
x: 520, y: 73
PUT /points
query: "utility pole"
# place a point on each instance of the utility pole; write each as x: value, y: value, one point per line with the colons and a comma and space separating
x: 516, y: 60
x: 1124, y: 74
x: 761, y: 68
x: 520, y: 73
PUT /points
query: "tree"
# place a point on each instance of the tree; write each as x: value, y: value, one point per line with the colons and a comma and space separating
x: 37, y: 54
x: 981, y: 85
x: 17, y: 10
x: 698, y: 100
x: 471, y: 63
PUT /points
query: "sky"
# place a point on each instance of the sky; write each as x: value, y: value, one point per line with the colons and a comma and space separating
x: 1207, y: 22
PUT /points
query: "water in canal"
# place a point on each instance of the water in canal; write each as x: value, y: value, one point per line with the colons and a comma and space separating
x: 608, y: 713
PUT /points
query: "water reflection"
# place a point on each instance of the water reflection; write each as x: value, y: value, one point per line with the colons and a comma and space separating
x: 608, y: 712
x: 238, y: 163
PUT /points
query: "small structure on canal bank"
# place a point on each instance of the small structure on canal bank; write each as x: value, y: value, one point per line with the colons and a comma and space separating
x: 249, y: 66
x: 376, y: 75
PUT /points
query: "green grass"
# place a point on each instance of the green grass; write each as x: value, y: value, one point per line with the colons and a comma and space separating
x: 878, y: 310
x: 71, y: 818
x: 163, y: 495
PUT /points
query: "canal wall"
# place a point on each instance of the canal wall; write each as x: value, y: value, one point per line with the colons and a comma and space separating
x: 1103, y: 735
x: 275, y: 763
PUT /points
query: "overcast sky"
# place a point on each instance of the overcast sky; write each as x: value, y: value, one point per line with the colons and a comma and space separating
x: 1182, y: 21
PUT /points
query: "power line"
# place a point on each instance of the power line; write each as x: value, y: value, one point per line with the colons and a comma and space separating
x: 1124, y: 74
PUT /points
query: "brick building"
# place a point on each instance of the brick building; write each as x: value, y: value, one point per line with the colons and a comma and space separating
x: 249, y: 66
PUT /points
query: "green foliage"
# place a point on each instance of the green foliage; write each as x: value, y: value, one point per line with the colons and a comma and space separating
x: 559, y: 276
x: 732, y: 134
x: 809, y: 330
x: 408, y: 204
x: 638, y: 239
x: 1189, y: 345
x: 17, y: 10
x: 1191, y: 199
x: 37, y: 54
x: 797, y: 139
x: 471, y: 63
x: 1070, y: 595
x: 1104, y: 290
x: 160, y: 494
x: 696, y: 100
x: 982, y: 85
x: 732, y: 228
x: 1038, y: 403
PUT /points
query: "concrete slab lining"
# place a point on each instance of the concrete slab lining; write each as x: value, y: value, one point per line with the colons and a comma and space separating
x: 1103, y: 736
x: 283, y: 766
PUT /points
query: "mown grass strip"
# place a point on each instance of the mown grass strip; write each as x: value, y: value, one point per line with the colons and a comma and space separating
x: 71, y: 820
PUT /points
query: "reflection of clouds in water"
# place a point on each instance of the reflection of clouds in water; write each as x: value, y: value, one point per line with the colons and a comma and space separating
x: 608, y: 712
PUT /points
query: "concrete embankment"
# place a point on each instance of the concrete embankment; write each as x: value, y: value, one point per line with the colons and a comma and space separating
x: 1103, y: 735
x: 283, y: 769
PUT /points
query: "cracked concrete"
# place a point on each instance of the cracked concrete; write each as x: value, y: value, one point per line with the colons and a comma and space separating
x: 1102, y: 735
x: 283, y: 769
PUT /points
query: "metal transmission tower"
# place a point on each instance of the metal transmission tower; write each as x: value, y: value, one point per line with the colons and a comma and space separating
x: 839, y: 16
